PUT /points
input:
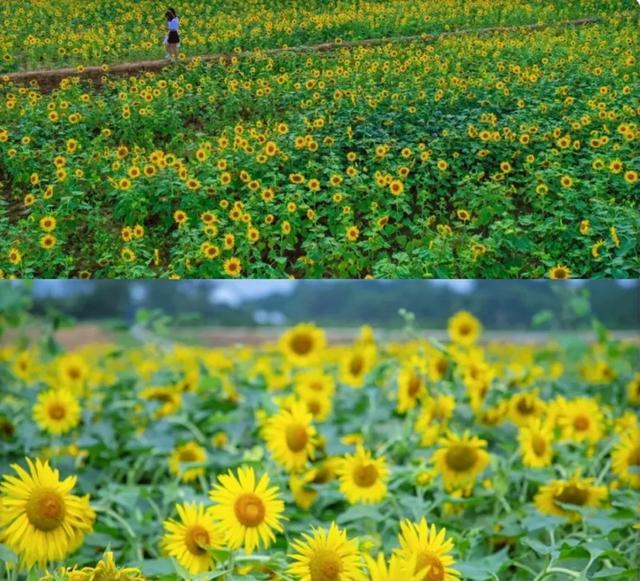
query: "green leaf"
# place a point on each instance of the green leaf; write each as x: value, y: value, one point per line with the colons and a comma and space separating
x: 7, y: 555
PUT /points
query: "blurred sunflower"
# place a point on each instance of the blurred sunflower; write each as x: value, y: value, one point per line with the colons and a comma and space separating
x: 56, y: 411
x: 356, y: 364
x: 363, y: 478
x: 189, y: 453
x: 625, y: 458
x: 576, y: 491
x: 249, y: 512
x: 106, y: 570
x: 536, y: 444
x: 426, y: 549
x: 464, y: 328
x: 435, y: 412
x: 40, y: 520
x: 291, y: 437
x: 523, y: 407
x: 189, y: 540
x: 460, y: 459
x: 325, y: 556
x: 411, y: 388
x: 168, y: 400
x: 303, y: 344
x: 582, y: 420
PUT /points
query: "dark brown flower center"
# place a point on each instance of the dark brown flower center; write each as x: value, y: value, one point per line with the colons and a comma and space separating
x: 435, y: 571
x: 301, y: 344
x: 581, y: 423
x: 57, y: 411
x: 356, y: 365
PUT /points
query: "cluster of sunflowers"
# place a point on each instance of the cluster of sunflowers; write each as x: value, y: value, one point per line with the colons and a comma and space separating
x: 300, y: 459
x: 73, y: 32
x: 510, y: 155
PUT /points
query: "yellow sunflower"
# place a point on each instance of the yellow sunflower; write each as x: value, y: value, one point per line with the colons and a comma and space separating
x: 582, y: 420
x: 72, y: 371
x: 411, y: 388
x: 290, y: 436
x: 576, y: 491
x: 250, y: 512
x: 434, y: 415
x: 464, y: 328
x: 304, y: 486
x: 356, y: 364
x: 536, y: 444
x: 189, y: 540
x: 523, y: 407
x: 396, y: 570
x: 56, y: 411
x: 40, y: 520
x: 427, y: 549
x: 460, y: 460
x: 318, y: 405
x: 325, y: 556
x: 315, y: 382
x: 633, y: 390
x: 625, y: 457
x: 189, y: 453
x: 167, y: 400
x: 303, y: 345
x: 106, y: 569
x: 363, y: 478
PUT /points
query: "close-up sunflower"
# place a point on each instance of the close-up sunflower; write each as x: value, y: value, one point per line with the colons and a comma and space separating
x: 363, y: 478
x: 190, y: 539
x: 581, y: 420
x: 460, y: 459
x: 250, y: 512
x: 325, y: 555
x: 556, y: 497
x: 41, y: 521
x: 56, y: 411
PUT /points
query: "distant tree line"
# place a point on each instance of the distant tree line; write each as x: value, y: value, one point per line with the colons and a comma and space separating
x: 499, y: 304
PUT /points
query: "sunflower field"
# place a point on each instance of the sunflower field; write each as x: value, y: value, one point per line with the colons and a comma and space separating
x: 508, y: 155
x: 301, y: 459
x: 37, y: 33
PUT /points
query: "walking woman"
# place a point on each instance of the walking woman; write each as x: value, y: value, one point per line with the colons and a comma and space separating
x: 172, y: 40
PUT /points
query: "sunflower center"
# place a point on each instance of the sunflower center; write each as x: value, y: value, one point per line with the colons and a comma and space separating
x: 187, y: 456
x: 249, y: 510
x: 539, y: 445
x: 356, y: 365
x: 414, y: 386
x: 573, y: 495
x: 45, y: 509
x: 197, y: 540
x: 301, y: 343
x: 581, y: 423
x: 525, y: 407
x: 74, y: 373
x: 314, y: 406
x: 435, y: 568
x: 365, y: 475
x: 325, y: 566
x: 442, y: 366
x: 461, y: 457
x: 316, y: 386
x: 57, y: 411
x: 464, y: 329
x: 297, y: 437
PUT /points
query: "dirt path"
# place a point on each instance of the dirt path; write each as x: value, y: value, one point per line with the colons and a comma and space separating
x: 47, y: 80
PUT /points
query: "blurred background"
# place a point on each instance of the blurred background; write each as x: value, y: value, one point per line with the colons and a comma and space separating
x: 249, y: 311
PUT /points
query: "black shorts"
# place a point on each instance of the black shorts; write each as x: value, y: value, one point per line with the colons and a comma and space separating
x: 173, y: 38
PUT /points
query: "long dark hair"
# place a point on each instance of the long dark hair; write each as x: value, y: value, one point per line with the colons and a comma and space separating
x: 170, y: 14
